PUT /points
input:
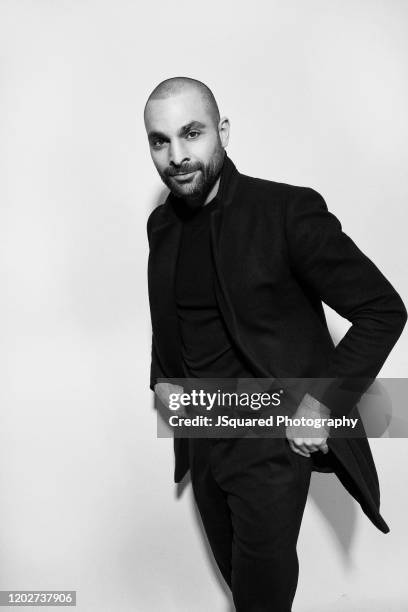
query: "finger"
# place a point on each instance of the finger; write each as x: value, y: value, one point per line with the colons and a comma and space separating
x: 303, y: 453
x: 298, y: 448
x: 301, y: 446
x: 316, y: 444
x: 312, y: 448
x: 321, y: 445
x: 294, y: 447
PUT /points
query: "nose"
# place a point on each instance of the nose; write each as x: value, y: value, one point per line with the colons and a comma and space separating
x: 177, y: 153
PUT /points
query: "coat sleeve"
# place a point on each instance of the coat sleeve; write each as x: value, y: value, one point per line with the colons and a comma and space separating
x: 331, y: 264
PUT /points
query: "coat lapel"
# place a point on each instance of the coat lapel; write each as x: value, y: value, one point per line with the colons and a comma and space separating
x: 225, y: 268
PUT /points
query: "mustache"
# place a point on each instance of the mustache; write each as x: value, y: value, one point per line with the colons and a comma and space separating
x: 184, y: 169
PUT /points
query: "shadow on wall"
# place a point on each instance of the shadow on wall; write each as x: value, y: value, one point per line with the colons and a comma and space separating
x: 210, y: 557
x: 338, y: 508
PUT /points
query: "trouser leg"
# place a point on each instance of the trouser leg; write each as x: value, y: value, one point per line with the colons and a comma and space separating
x: 212, y: 504
x: 263, y: 485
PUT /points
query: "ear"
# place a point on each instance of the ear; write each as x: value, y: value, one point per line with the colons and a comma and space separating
x: 224, y: 130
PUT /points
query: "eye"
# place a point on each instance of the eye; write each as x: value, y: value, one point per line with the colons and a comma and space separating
x: 157, y: 143
x: 192, y: 134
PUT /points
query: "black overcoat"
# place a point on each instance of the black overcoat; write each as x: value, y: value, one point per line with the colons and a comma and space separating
x: 278, y: 254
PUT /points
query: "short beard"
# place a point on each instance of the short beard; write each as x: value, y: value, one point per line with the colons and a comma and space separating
x: 195, y: 193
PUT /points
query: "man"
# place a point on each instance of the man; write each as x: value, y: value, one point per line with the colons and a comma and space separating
x: 238, y: 270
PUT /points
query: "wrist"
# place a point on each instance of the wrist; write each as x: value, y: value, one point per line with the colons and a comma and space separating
x: 313, y: 405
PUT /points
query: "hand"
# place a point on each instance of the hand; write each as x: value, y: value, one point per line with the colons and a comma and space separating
x: 305, y: 440
x: 163, y: 392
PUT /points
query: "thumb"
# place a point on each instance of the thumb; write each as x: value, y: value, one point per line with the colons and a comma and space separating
x: 324, y: 448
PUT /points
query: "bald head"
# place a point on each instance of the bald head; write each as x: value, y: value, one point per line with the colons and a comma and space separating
x: 186, y: 137
x: 176, y: 86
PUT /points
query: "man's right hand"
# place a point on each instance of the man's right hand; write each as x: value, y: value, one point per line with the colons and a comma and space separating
x: 163, y: 392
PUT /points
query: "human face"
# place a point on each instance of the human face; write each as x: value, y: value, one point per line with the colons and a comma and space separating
x: 186, y: 145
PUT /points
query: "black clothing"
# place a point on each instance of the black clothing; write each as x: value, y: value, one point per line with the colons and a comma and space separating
x: 251, y: 495
x: 278, y: 252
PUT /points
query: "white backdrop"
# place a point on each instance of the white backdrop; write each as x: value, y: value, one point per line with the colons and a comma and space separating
x: 317, y: 94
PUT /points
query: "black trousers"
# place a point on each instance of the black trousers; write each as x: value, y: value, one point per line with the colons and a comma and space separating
x: 251, y: 495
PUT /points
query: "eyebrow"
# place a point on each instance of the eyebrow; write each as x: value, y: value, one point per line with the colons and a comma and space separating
x: 192, y: 124
x: 183, y: 130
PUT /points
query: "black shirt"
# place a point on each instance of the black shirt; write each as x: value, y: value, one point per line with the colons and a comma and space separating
x: 207, y: 349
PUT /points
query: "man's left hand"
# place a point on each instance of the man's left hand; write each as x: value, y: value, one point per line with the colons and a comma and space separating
x: 305, y: 440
